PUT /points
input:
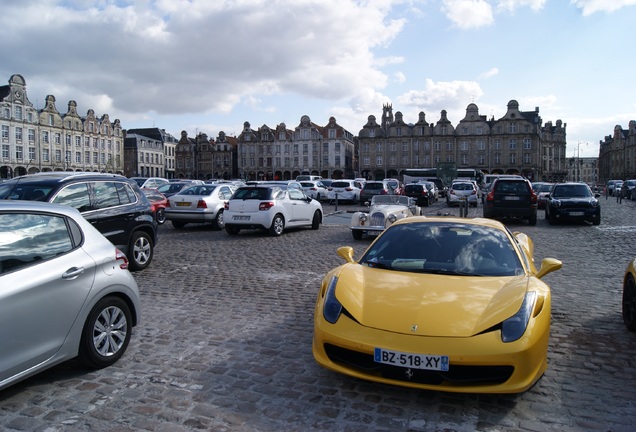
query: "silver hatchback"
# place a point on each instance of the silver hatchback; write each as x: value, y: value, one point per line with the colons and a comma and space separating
x: 65, y: 291
x: 203, y: 203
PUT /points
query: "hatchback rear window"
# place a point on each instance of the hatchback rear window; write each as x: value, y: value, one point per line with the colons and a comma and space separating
x: 374, y: 186
x: 340, y: 184
x: 260, y: 194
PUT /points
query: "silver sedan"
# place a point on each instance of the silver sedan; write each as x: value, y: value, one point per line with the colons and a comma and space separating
x: 199, y: 204
x: 65, y: 291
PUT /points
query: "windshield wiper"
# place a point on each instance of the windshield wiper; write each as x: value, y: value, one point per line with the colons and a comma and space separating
x: 377, y: 264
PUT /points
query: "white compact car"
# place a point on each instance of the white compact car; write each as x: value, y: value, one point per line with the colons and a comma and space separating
x: 383, y: 211
x: 344, y: 190
x: 462, y: 191
x: 272, y: 207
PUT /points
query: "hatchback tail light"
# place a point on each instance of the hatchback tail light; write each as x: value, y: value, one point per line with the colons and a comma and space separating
x: 120, y: 256
x: 490, y: 196
x: 226, y: 205
x: 264, y: 206
x: 533, y: 197
x: 202, y: 204
x: 348, y: 189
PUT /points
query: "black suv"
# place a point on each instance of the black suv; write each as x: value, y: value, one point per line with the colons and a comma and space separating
x: 419, y: 192
x: 574, y: 202
x: 513, y: 198
x: 112, y: 203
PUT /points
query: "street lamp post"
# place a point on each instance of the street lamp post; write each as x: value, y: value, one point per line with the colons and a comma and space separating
x: 578, y: 161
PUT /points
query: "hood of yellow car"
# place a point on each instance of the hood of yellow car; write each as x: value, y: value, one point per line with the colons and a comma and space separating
x: 428, y: 304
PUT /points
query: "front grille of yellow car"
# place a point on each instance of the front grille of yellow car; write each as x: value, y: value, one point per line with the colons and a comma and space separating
x: 468, y: 375
x: 377, y: 219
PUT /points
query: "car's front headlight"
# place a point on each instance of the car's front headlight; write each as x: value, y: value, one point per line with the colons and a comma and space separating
x: 515, y: 326
x: 594, y: 203
x: 392, y: 218
x: 556, y: 203
x: 363, y: 217
x: 332, y: 308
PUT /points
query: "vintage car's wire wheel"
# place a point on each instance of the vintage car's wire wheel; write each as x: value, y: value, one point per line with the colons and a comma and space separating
x: 629, y: 303
x: 357, y: 234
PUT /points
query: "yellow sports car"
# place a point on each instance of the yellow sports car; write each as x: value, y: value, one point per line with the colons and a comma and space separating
x: 439, y: 303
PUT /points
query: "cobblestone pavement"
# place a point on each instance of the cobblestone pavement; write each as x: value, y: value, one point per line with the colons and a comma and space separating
x: 225, y: 345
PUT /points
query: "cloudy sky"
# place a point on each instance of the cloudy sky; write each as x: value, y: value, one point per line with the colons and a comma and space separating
x: 210, y: 65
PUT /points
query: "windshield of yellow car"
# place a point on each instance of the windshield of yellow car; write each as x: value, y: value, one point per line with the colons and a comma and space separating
x: 444, y: 248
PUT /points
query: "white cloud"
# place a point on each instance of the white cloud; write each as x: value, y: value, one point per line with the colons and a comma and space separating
x: 591, y: 6
x: 399, y: 77
x: 467, y: 14
x: 512, y: 5
x: 174, y: 57
x: 489, y: 73
x: 442, y: 94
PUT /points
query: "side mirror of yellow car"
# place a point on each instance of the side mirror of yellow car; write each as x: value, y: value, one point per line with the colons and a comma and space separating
x: 548, y: 265
x: 346, y: 252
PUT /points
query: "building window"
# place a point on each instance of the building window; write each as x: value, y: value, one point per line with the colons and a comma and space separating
x: 398, y: 131
x: 378, y: 146
x: 366, y: 161
x: 51, y: 120
x: 18, y: 152
x: 5, y: 151
x: 332, y: 133
x: 513, y: 158
x: 18, y: 134
x: 31, y: 153
x: 58, y: 138
x: 378, y: 160
x: 371, y: 133
x: 527, y: 143
x: 513, y: 144
x: 497, y: 144
x: 463, y: 145
x: 5, y: 132
x: 31, y: 133
x: 18, y: 113
x: 6, y: 113
x: 45, y: 155
x: 78, y: 157
x: 481, y: 144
